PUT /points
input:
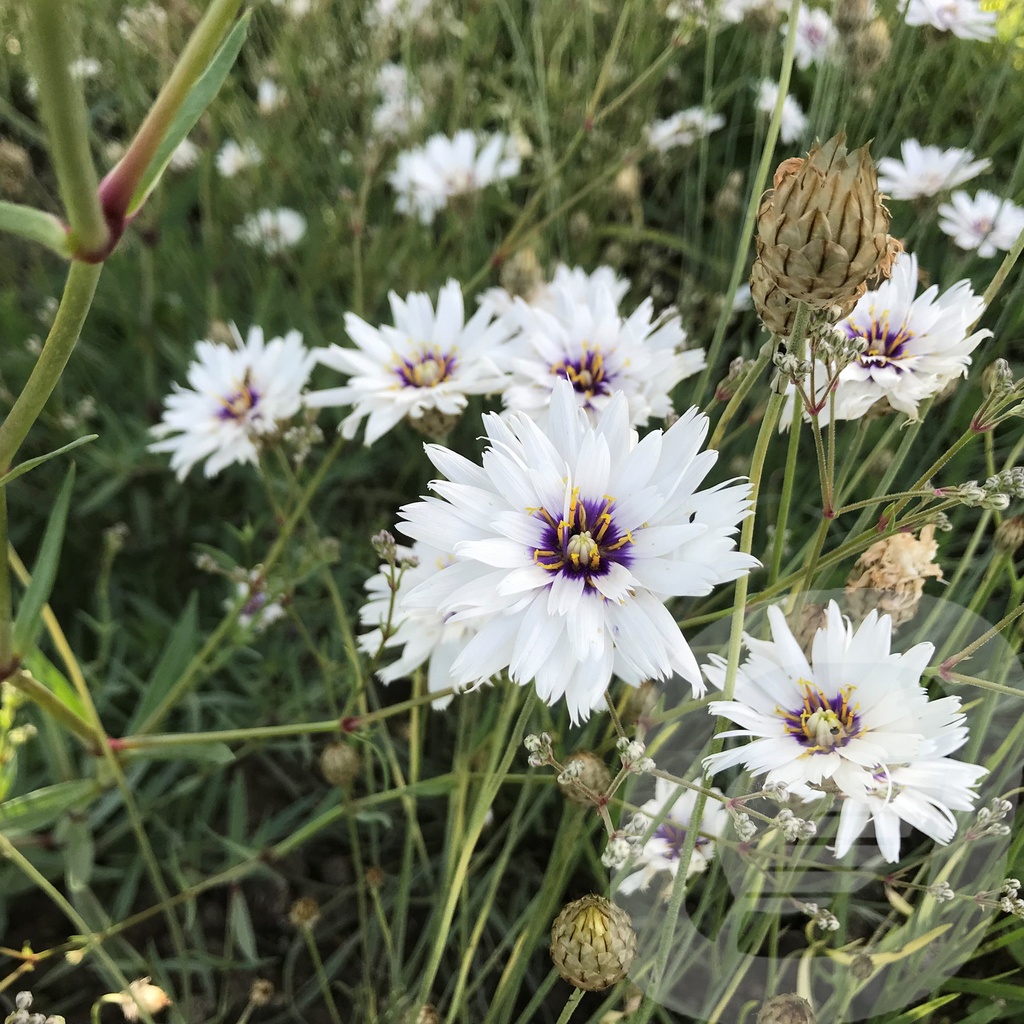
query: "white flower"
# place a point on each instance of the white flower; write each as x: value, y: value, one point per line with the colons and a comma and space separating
x: 261, y: 609
x: 571, y: 282
x: 986, y: 222
x: 238, y: 396
x: 964, y: 18
x: 269, y: 97
x: 185, y: 156
x: 85, y: 67
x: 142, y: 26
x: 422, y: 634
x: 401, y: 14
x: 794, y: 120
x: 915, y: 346
x: 426, y: 361
x: 232, y: 158
x: 854, y: 714
x: 425, y: 178
x: 294, y: 8
x: 273, y: 230
x: 401, y: 106
x: 662, y: 851
x: 585, y: 340
x: 816, y: 36
x: 926, y: 170
x: 567, y: 543
x: 683, y: 128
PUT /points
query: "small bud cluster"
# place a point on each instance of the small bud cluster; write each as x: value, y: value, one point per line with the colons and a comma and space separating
x: 989, y: 495
x: 384, y: 545
x: 539, y: 748
x: 744, y: 825
x: 21, y: 1015
x: 989, y: 821
x: 622, y: 843
x: 1003, y: 397
x: 301, y: 440
x: 822, y: 918
x: 631, y: 752
x: 794, y: 828
x: 941, y: 892
x: 1006, y: 898
x: 729, y: 384
x: 775, y: 791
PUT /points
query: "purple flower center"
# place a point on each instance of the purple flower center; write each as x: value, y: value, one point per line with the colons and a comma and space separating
x: 239, y: 403
x: 887, y: 343
x: 674, y: 835
x: 822, y: 723
x: 584, y: 543
x: 586, y: 374
x: 426, y: 368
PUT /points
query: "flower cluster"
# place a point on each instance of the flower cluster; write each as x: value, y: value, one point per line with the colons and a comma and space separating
x: 851, y: 720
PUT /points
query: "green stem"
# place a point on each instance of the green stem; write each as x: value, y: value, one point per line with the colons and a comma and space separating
x: 570, y: 1006
x: 6, y: 602
x: 54, y: 707
x: 321, y: 975
x: 753, y: 374
x: 786, y: 500
x: 965, y: 438
x: 51, y: 51
x: 36, y: 226
x: 1001, y: 275
x: 67, y: 326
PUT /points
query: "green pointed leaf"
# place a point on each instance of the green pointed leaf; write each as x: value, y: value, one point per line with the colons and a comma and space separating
x: 240, y: 923
x: 191, y: 110
x: 181, y: 645
x: 30, y: 611
x: 42, y: 807
x: 75, y: 836
x: 210, y: 753
x: 42, y: 669
x: 36, y: 226
x: 25, y: 467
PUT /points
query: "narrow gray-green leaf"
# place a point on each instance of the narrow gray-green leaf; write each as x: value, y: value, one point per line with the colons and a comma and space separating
x: 44, y: 572
x: 191, y: 110
x: 42, y: 807
x: 211, y: 753
x: 36, y: 226
x: 24, y: 467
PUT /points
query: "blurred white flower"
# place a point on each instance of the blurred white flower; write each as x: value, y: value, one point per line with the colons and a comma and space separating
x: 583, y: 339
x: 275, y: 231
x: 568, y: 542
x: 926, y: 170
x: 261, y: 609
x: 232, y: 158
x: 238, y: 396
x: 985, y: 223
x: 428, y: 361
x: 270, y: 96
x: 816, y: 37
x: 683, y: 128
x: 662, y: 851
x: 964, y: 18
x: 401, y: 105
x: 572, y: 282
x: 400, y: 14
x: 422, y: 634
x: 853, y: 718
x: 294, y: 8
x: 425, y: 178
x: 85, y: 68
x: 143, y: 26
x: 916, y: 346
x: 185, y: 156
x: 794, y: 121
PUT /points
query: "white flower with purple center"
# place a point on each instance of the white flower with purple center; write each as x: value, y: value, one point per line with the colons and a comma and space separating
x: 262, y: 606
x: 683, y: 128
x: 427, y: 361
x: 421, y: 634
x: 985, y: 223
x: 238, y: 396
x: 816, y: 37
x: 926, y: 170
x: 586, y: 341
x: 427, y: 177
x: 853, y: 720
x: 673, y: 807
x: 964, y: 18
x: 566, y: 544
x: 915, y: 346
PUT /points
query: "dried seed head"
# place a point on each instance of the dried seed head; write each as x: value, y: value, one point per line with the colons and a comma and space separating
x: 593, y: 943
x: 823, y: 232
x: 305, y: 913
x: 1010, y: 535
x: 627, y: 184
x: 374, y: 877
x: 428, y: 1015
x: 15, y: 169
x: 850, y: 15
x: 787, y: 1009
x: 261, y: 992
x: 591, y: 779
x: 433, y: 424
x: 890, y: 575
x: 644, y: 699
x: 871, y: 47
x: 522, y: 274
x: 339, y: 763
x: 775, y: 308
x: 143, y: 996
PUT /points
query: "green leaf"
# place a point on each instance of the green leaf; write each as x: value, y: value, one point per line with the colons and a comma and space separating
x: 44, y: 671
x: 36, y: 226
x: 79, y: 852
x: 191, y: 110
x: 25, y: 467
x: 42, y: 807
x: 211, y: 753
x: 240, y: 923
x: 924, y: 1010
x: 181, y: 645
x: 44, y: 572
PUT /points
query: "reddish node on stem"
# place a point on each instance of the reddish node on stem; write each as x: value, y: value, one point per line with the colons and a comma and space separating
x: 828, y: 512
x: 498, y: 259
x: 350, y: 724
x: 115, y: 744
x: 588, y: 124
x: 883, y: 524
x: 946, y: 669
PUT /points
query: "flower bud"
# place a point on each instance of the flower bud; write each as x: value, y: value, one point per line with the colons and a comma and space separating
x: 339, y: 763
x: 522, y: 274
x: 997, y: 378
x: 776, y: 309
x: 823, y: 231
x: 304, y: 913
x: 15, y: 169
x: 433, y: 424
x: 850, y: 15
x: 592, y: 780
x: 787, y: 1009
x: 593, y: 943
x: 871, y: 47
x: 1010, y: 535
x: 261, y: 992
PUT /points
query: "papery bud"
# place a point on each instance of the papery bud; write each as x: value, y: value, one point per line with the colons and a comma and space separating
x: 627, y: 183
x: 787, y: 1009
x: 15, y: 169
x: 339, y: 763
x: 776, y: 309
x: 593, y: 944
x: 997, y: 378
x: 727, y: 202
x: 850, y: 15
x: 304, y: 913
x: 871, y: 47
x: 521, y: 274
x: 591, y: 780
x: 143, y: 996
x: 433, y: 424
x: 1010, y: 535
x: 823, y: 231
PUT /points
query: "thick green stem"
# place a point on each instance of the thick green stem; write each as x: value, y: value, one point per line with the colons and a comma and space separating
x: 6, y: 603
x: 74, y: 307
x: 51, y: 49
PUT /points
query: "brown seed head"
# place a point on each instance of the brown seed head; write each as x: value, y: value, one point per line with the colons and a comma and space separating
x: 1010, y: 535
x: 787, y: 1009
x: 593, y: 943
x: 775, y: 308
x: 339, y: 763
x: 305, y: 913
x: 593, y: 782
x: 261, y: 992
x: 871, y: 47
